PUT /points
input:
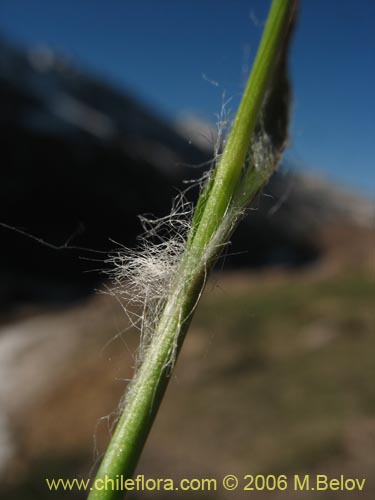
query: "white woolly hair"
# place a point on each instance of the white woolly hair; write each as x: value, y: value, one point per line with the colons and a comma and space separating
x: 142, y: 278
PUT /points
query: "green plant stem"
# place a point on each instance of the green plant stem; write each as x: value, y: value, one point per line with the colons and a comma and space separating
x: 146, y: 391
x: 229, y: 169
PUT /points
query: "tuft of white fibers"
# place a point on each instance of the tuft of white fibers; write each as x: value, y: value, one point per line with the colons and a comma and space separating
x: 145, y: 278
x: 150, y: 281
x: 142, y: 278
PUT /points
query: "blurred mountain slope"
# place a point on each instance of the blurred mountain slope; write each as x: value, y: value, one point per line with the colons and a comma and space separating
x: 82, y: 159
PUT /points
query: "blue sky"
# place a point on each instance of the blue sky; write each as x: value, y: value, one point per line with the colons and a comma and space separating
x: 160, y: 50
